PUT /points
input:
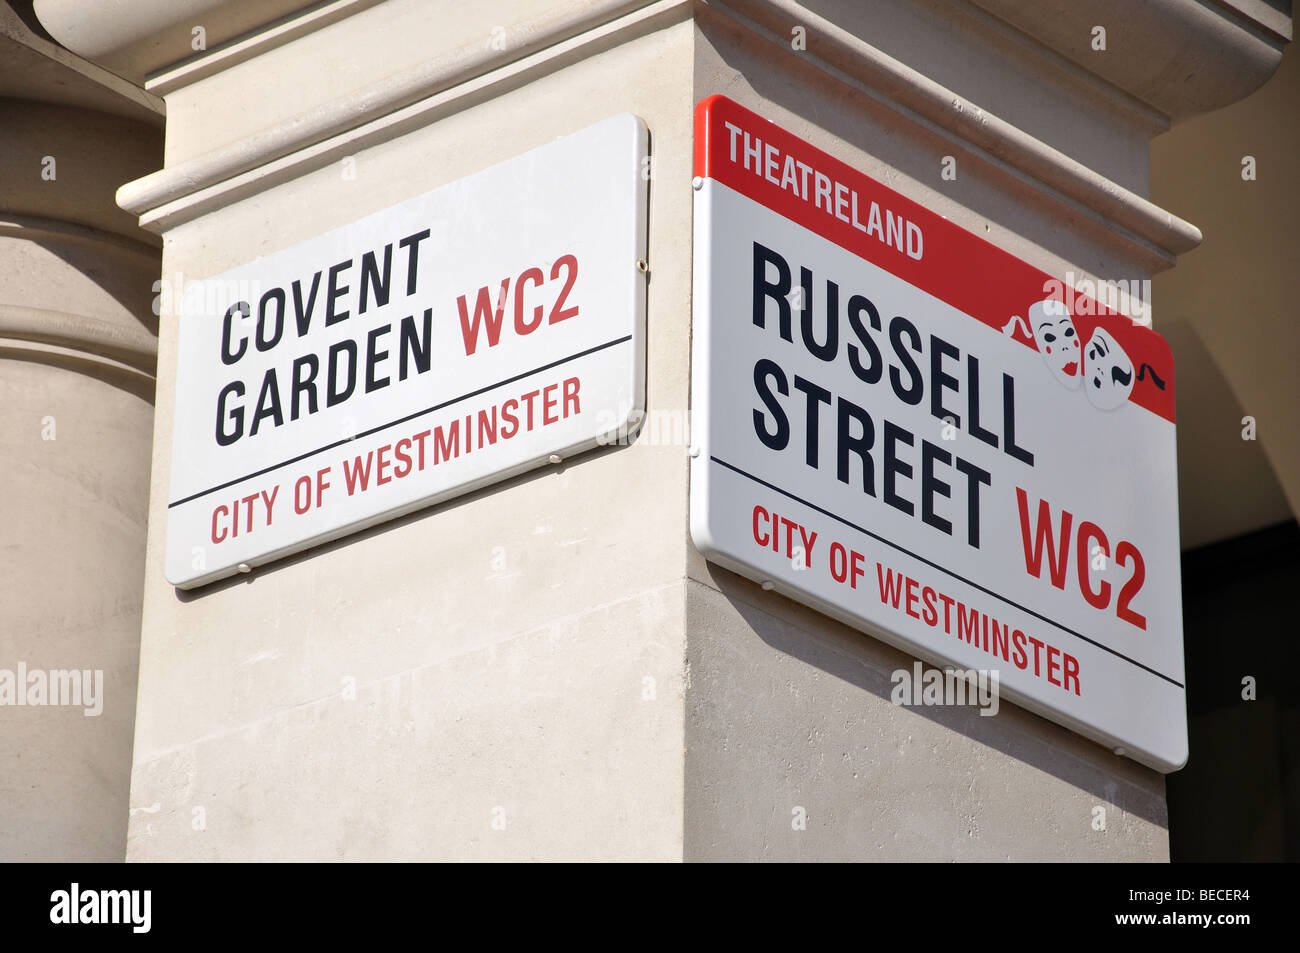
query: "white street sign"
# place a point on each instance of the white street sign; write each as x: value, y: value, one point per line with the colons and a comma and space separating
x: 451, y: 341
x: 919, y: 434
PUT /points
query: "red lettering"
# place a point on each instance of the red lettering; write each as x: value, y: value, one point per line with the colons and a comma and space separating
x: 571, y: 396
x: 403, y: 458
x: 356, y: 474
x: 420, y: 438
x: 510, y: 427
x: 911, y: 599
x: 560, y: 312
x: 1071, y: 673
x: 968, y: 624
x: 221, y: 510
x: 535, y: 276
x: 891, y: 587
x: 760, y: 538
x: 1052, y: 665
x: 548, y: 405
x: 1124, y: 550
x: 446, y: 443
x: 1038, y: 649
x: 1087, y: 533
x: 840, y: 562
x: 269, y: 501
x: 1018, y: 656
x: 929, y: 614
x: 484, y: 317
x: 1056, y: 556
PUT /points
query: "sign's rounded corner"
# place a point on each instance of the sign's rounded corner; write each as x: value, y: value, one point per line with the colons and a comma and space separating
x: 1179, y: 761
x: 706, y: 104
x: 702, y: 535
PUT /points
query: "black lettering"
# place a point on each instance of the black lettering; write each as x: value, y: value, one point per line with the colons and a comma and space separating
x: 973, y: 403
x: 268, y: 403
x: 302, y: 313
x: 236, y: 414
x: 930, y: 485
x: 1009, y: 421
x: 412, y: 244
x: 370, y: 278
x: 304, y: 385
x: 895, y: 434
x: 410, y: 346
x: 859, y: 445
x: 939, y: 378
x: 374, y: 356
x: 333, y: 395
x: 816, y: 396
x: 871, y: 373
x: 229, y: 356
x: 827, y: 350
x: 975, y: 476
x: 778, y: 291
x: 913, y: 393
x: 335, y: 292
x: 265, y: 343
x: 779, y: 440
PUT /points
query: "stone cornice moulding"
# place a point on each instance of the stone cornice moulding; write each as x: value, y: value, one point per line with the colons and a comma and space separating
x: 851, y: 59
x: 245, y: 47
x: 1260, y: 14
x: 385, y: 110
x: 134, y: 38
x: 1233, y: 45
x: 82, y: 334
x: 13, y: 225
x: 1181, y: 57
x: 32, y: 67
x: 118, y: 346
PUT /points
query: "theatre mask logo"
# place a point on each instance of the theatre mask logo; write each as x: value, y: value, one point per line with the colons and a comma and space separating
x: 1053, y: 329
x: 455, y: 339
x: 1108, y: 371
x: 890, y: 429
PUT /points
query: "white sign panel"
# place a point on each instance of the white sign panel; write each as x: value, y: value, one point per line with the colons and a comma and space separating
x: 453, y: 340
x: 909, y: 429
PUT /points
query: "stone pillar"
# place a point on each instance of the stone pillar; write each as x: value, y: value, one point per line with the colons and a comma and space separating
x: 788, y: 713
x: 77, y: 352
x: 547, y: 668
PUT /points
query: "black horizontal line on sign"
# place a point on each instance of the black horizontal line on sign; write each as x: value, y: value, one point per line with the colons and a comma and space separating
x: 402, y: 420
x: 948, y: 572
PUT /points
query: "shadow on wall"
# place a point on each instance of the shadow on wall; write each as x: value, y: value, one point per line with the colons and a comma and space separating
x: 790, y: 631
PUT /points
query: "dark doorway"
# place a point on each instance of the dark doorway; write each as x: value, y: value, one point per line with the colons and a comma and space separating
x: 1238, y: 799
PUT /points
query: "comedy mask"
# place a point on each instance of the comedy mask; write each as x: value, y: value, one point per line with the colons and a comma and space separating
x: 1058, y: 342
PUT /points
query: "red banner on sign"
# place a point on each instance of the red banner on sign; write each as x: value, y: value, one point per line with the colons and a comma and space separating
x: 798, y: 181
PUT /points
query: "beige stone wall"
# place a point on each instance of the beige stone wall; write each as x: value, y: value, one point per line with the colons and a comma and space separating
x: 789, y: 711
x: 1230, y: 309
x: 499, y: 644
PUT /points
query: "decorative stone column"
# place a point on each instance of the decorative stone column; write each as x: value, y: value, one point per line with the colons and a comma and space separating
x: 77, y: 354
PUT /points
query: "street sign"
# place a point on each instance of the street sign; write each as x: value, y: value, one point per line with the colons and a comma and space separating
x: 909, y: 429
x: 448, y: 342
